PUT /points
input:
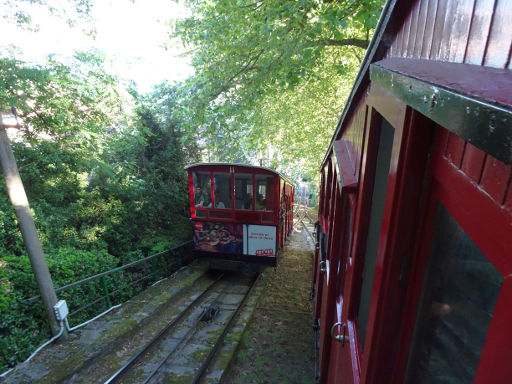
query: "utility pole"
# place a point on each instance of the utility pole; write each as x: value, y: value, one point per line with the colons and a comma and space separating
x: 21, y: 207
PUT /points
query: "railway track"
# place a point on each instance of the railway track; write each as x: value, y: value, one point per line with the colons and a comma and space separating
x: 185, y: 348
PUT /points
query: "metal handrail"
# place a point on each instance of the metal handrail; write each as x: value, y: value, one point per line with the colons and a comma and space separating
x: 107, y: 294
x: 117, y: 269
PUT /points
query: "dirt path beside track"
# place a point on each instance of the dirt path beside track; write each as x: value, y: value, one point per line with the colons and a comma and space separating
x: 277, y: 346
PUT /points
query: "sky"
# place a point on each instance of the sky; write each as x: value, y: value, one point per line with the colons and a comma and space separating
x: 131, y: 33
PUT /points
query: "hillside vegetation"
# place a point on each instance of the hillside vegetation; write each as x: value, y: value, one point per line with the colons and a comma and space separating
x: 106, y: 187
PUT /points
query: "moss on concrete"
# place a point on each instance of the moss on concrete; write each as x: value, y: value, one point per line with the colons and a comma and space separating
x: 59, y: 361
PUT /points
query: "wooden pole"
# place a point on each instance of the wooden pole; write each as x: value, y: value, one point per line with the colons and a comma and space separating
x: 28, y: 229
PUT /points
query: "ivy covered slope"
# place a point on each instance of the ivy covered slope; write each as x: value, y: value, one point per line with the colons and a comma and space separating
x: 105, y: 187
x: 273, y: 76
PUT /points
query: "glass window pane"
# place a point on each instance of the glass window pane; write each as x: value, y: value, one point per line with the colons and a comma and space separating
x: 457, y: 303
x: 264, y: 197
x: 377, y: 212
x: 243, y: 191
x: 202, y: 189
x: 222, y: 190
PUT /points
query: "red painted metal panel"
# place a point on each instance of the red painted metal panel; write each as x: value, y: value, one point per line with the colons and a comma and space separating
x: 393, y: 111
x: 455, y: 150
x: 473, y: 162
x: 329, y: 282
x: 479, y: 33
x: 442, y: 141
x: 488, y: 225
x: 353, y: 135
x: 354, y: 264
x: 419, y: 262
x: 456, y: 30
x: 495, y: 366
x: 460, y: 30
x: 321, y: 197
x: 345, y: 164
x: 337, y: 371
x: 508, y: 200
x: 500, y: 36
x: 495, y: 179
x: 358, y: 137
x: 387, y: 295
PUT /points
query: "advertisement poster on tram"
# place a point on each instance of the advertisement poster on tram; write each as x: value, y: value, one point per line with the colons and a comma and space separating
x: 261, y: 240
x: 218, y: 237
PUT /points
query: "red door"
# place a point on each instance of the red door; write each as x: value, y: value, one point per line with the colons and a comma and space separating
x: 456, y: 326
x: 361, y: 267
x: 337, y: 331
x: 328, y: 281
x: 374, y: 220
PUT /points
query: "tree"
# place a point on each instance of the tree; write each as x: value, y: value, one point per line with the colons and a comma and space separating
x: 20, y: 11
x: 255, y: 60
x: 261, y: 46
x: 105, y: 187
x: 61, y: 100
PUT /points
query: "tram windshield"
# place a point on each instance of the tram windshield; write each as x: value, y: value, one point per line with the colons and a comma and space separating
x: 222, y: 190
x: 243, y: 191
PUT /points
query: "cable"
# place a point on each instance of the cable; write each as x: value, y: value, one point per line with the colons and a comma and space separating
x: 158, y: 282
x: 6, y: 372
x: 48, y: 342
x: 71, y: 329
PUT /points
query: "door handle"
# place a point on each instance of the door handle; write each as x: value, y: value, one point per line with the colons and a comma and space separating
x: 323, y: 266
x: 339, y: 338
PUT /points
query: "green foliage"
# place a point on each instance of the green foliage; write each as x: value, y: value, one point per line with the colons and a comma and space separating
x: 105, y: 189
x: 272, y: 76
x: 74, y: 101
x: 264, y: 46
x: 20, y: 11
x: 23, y: 325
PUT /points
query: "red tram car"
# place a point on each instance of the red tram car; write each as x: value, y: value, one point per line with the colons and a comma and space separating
x: 241, y: 213
x: 413, y: 268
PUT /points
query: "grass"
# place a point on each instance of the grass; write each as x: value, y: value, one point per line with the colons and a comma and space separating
x: 277, y: 345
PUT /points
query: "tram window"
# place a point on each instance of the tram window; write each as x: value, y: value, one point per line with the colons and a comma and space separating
x: 264, y: 197
x: 202, y: 189
x: 243, y: 191
x: 222, y: 190
x: 383, y: 162
x: 457, y: 303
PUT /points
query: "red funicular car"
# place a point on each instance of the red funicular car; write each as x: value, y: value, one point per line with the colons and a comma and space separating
x: 240, y: 213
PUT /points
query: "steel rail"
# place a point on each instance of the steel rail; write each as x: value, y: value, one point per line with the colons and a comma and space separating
x: 130, y: 363
x: 183, y: 342
x: 206, y: 363
x: 308, y: 232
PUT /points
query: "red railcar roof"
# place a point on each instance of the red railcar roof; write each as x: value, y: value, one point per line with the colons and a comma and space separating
x: 238, y: 165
